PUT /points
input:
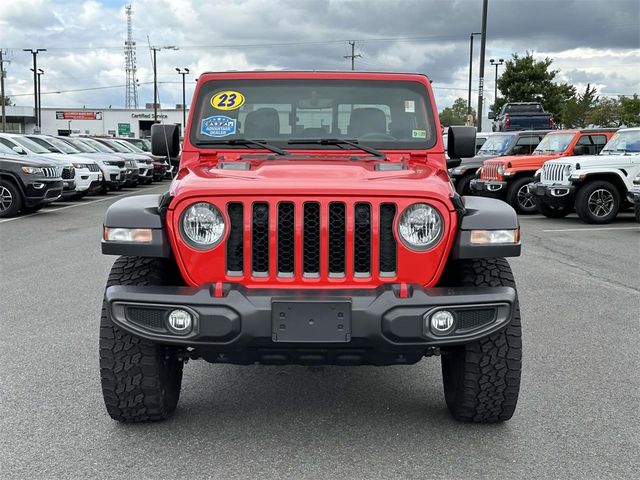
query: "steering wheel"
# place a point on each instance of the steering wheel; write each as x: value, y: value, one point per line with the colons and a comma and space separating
x: 376, y: 136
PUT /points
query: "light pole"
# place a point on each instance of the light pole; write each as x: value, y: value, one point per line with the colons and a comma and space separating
x: 470, y: 69
x: 483, y: 45
x: 155, y: 78
x: 495, y: 91
x: 184, y: 106
x: 35, y: 80
x: 39, y: 95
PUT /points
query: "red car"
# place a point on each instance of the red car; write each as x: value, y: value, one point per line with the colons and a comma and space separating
x: 312, y: 221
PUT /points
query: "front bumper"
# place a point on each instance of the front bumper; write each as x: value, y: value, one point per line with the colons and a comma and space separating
x: 488, y: 188
x: 86, y: 180
x: 387, y: 325
x: 41, y: 191
x: 633, y: 195
x: 555, y: 195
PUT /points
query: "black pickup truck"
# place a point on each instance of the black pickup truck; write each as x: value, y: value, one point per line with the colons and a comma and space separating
x: 521, y: 116
x: 497, y: 145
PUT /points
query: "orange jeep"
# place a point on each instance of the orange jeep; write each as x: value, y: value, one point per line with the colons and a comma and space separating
x: 507, y: 177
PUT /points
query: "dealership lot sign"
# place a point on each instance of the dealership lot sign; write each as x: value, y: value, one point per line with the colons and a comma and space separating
x: 62, y: 115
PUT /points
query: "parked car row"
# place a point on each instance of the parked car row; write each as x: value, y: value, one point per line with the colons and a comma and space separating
x: 36, y: 170
x: 595, y: 172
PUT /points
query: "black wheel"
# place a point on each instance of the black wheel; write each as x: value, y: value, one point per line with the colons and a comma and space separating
x: 482, y: 379
x: 554, y: 211
x: 598, y: 202
x: 141, y: 380
x: 10, y: 199
x: 32, y: 209
x: 636, y: 209
x: 519, y: 198
x: 462, y: 185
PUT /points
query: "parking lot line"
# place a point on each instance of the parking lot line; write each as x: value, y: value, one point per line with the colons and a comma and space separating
x: 591, y: 229
x: 111, y: 197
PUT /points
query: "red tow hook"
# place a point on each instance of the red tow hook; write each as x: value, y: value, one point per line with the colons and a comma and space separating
x: 217, y: 291
x: 404, y: 290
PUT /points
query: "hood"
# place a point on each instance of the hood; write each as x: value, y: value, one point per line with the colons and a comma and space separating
x: 522, y: 161
x: 477, y: 160
x: 104, y: 156
x: 26, y: 160
x: 136, y: 157
x: 311, y: 177
x: 587, y: 161
x: 58, y: 158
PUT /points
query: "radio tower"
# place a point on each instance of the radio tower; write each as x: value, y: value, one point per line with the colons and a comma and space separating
x: 131, y: 95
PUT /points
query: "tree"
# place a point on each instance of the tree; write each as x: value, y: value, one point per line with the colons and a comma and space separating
x: 606, y: 113
x: 630, y: 110
x: 526, y: 79
x: 577, y: 109
x: 456, y: 114
x: 7, y: 101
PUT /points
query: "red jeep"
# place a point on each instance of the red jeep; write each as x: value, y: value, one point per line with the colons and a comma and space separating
x: 312, y: 221
x: 508, y: 177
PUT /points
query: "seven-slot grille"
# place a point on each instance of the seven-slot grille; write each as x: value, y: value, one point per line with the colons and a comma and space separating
x: 50, y: 172
x: 554, y: 172
x: 489, y: 171
x: 68, y: 173
x: 291, y: 238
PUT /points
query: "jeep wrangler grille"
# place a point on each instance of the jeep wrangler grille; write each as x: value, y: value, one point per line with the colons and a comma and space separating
x: 307, y: 232
x: 489, y: 171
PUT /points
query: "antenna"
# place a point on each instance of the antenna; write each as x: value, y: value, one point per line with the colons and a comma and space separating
x: 130, y: 68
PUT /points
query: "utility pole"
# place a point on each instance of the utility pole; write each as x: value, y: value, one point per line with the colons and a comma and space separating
x: 470, y: 73
x: 353, y: 55
x: 2, y: 97
x: 483, y: 44
x: 155, y: 79
x: 184, y: 105
x: 35, y: 80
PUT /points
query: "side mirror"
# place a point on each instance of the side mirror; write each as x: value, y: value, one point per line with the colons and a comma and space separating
x: 491, y: 115
x: 461, y: 144
x: 19, y: 150
x: 579, y: 150
x: 165, y: 140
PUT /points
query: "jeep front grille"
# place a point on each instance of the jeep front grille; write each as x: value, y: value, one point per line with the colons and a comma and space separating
x: 554, y: 172
x: 489, y: 171
x: 50, y: 172
x: 311, y: 239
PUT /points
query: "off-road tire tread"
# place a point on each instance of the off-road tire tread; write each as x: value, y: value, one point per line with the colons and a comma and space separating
x: 140, y: 379
x: 491, y: 367
x: 463, y: 185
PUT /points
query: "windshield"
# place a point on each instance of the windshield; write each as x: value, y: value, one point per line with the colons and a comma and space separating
x: 382, y: 115
x: 101, y: 147
x: 116, y: 147
x: 63, y: 146
x: 80, y: 145
x: 496, y: 145
x: 126, y: 145
x: 33, y: 146
x: 554, y: 143
x: 139, y: 143
x: 623, y: 142
x: 5, y: 149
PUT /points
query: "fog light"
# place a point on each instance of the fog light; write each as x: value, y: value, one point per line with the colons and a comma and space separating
x: 180, y: 321
x: 442, y: 322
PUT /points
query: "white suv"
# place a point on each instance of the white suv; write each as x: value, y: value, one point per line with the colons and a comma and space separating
x: 596, y: 184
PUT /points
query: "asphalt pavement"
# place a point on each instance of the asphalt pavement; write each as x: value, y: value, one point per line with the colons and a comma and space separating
x: 577, y: 417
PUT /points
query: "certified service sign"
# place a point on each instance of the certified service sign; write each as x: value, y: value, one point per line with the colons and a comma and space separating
x: 218, y: 126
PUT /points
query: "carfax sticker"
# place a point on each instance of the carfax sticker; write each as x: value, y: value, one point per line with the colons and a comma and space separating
x: 418, y: 134
x: 227, y: 100
x: 409, y: 106
x: 218, y: 126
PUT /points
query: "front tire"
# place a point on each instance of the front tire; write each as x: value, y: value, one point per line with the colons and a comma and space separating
x: 141, y: 380
x: 519, y: 198
x: 463, y: 184
x: 482, y: 378
x: 553, y: 211
x: 598, y: 202
x: 10, y: 199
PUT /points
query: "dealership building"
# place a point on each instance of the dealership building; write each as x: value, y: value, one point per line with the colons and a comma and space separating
x: 115, y: 122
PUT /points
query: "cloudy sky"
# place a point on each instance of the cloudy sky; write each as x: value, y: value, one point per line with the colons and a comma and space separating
x: 591, y: 41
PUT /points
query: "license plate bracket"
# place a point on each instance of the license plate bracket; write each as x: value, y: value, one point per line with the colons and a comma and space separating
x: 311, y: 321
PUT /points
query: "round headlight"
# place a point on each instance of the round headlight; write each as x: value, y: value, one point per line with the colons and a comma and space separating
x: 567, y: 170
x: 202, y: 225
x: 420, y: 226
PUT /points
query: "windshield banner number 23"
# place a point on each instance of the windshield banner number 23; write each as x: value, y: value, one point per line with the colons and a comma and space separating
x: 227, y: 100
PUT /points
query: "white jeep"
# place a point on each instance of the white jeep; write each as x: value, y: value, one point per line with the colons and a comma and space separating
x: 596, y: 184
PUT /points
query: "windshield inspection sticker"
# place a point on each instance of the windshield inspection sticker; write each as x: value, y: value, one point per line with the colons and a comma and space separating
x: 418, y: 134
x: 409, y: 106
x: 218, y: 126
x: 227, y: 100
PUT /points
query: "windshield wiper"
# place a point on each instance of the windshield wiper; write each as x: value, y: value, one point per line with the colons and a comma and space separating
x: 247, y: 142
x: 338, y: 142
